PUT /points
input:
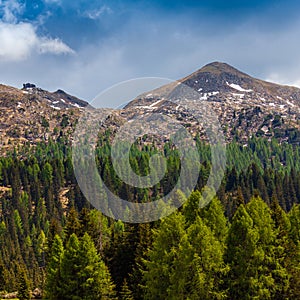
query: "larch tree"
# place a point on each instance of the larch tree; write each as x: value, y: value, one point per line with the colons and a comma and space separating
x: 162, y: 256
x: 199, y: 269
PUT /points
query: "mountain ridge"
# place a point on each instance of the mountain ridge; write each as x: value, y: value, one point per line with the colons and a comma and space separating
x: 245, y: 107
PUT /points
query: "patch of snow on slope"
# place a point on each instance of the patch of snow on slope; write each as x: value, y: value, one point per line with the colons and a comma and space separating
x: 153, y: 104
x: 238, y: 87
x: 55, y: 107
x: 76, y: 105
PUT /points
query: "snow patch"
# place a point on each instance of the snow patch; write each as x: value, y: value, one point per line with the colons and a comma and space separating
x: 153, y: 104
x: 237, y: 87
x: 76, y: 105
x: 55, y: 107
x: 204, y: 97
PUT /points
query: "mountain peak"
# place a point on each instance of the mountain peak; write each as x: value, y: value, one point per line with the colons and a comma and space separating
x: 220, y: 67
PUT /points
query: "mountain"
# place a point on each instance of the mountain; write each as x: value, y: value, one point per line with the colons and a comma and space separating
x: 32, y: 114
x: 245, y: 106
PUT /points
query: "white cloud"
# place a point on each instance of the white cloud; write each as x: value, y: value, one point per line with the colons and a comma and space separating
x: 19, y: 41
x: 10, y: 9
x: 55, y: 46
x: 97, y: 13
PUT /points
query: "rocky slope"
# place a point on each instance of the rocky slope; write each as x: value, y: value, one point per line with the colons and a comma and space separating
x: 31, y: 115
x: 245, y: 106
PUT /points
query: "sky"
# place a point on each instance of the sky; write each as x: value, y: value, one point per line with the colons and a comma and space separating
x: 84, y: 47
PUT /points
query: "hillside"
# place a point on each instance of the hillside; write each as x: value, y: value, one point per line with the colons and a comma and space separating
x: 245, y: 106
x: 31, y: 114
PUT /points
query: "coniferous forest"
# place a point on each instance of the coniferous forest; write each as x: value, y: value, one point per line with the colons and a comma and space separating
x: 243, y: 245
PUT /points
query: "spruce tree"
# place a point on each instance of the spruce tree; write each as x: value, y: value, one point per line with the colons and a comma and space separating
x: 125, y: 293
x: 93, y: 276
x: 69, y: 269
x: 53, y: 277
x: 83, y: 274
x: 23, y: 285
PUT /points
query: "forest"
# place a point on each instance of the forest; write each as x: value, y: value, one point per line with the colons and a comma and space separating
x: 243, y: 245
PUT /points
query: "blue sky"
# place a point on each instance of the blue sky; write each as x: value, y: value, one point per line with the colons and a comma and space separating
x: 84, y: 47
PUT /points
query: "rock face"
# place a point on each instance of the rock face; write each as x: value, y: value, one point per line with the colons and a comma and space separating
x: 245, y: 106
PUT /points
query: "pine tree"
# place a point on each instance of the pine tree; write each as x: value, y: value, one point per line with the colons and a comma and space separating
x: 241, y: 248
x: 73, y: 223
x: 121, y: 253
x: 191, y: 208
x: 273, y: 266
x: 125, y: 293
x: 53, y: 279
x: 292, y: 252
x: 69, y: 268
x: 93, y: 276
x: 83, y: 274
x: 23, y: 285
x: 144, y: 244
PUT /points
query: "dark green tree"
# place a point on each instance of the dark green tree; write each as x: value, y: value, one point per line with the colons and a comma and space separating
x: 23, y: 285
x: 53, y: 279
